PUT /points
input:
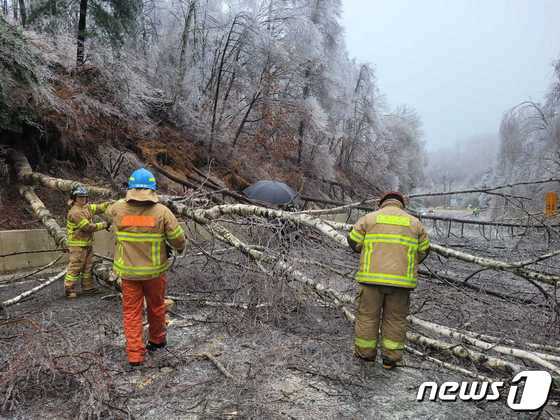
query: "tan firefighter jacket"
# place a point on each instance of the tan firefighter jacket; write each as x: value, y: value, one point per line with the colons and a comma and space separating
x: 79, y: 227
x: 142, y: 227
x: 392, y: 243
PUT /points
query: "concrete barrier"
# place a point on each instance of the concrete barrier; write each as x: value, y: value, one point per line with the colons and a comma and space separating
x: 39, y: 239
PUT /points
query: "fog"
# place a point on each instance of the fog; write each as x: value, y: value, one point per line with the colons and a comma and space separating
x: 460, y: 63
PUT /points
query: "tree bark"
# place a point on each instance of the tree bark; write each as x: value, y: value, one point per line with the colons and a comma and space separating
x: 22, y: 13
x: 256, y: 95
x: 218, y: 84
x: 26, y: 175
x: 184, y: 45
x: 510, y: 351
x: 39, y: 209
x: 80, y: 57
x: 32, y: 291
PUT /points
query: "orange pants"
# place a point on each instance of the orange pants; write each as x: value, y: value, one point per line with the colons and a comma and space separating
x: 134, y: 292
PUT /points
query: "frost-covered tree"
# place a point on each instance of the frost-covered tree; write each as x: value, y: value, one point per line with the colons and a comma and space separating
x: 267, y: 77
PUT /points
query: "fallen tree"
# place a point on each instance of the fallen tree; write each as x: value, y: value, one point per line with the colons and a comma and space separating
x: 25, y: 175
x: 208, y: 218
x: 516, y: 268
x: 32, y: 291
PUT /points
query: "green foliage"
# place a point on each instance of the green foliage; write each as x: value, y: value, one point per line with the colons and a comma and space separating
x: 110, y: 20
x: 115, y: 19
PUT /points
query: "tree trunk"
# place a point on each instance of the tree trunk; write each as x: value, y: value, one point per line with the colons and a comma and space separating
x: 26, y: 175
x: 22, y: 13
x: 218, y: 83
x: 184, y: 45
x: 245, y: 117
x: 80, y: 58
x: 301, y: 128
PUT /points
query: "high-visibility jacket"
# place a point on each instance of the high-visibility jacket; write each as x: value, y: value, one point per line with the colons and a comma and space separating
x: 142, y: 227
x: 79, y: 227
x: 391, y: 242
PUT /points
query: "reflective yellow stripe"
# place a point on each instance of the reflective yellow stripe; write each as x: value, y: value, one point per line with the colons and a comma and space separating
x: 153, y: 253
x: 141, y: 267
x: 93, y: 208
x: 410, y: 266
x: 386, y: 219
x: 424, y: 245
x: 364, y: 343
x: 78, y: 243
x: 139, y: 271
x: 391, y: 345
x: 403, y: 238
x: 369, y: 251
x: 70, y: 277
x: 83, y: 222
x: 139, y: 237
x: 388, y: 279
x: 356, y: 236
x: 175, y: 233
x: 143, y: 235
x: 120, y: 253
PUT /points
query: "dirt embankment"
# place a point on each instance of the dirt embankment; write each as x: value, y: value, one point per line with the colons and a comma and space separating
x: 92, y: 124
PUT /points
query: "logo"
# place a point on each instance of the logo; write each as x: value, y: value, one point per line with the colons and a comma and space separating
x: 533, y: 395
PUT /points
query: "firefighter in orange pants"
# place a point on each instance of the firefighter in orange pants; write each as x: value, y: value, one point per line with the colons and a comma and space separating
x: 144, y: 229
x: 80, y: 229
x: 392, y: 243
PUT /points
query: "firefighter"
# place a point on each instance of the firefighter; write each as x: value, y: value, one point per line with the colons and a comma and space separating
x: 79, y: 229
x: 392, y: 243
x: 144, y: 229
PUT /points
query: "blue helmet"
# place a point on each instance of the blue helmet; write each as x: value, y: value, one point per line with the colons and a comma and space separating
x: 142, y: 178
x: 79, y: 191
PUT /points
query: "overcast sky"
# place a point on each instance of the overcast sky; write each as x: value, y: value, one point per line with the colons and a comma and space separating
x: 460, y: 63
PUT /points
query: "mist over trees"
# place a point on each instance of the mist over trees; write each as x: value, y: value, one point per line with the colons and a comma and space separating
x: 272, y: 77
x: 464, y: 163
x: 530, y: 146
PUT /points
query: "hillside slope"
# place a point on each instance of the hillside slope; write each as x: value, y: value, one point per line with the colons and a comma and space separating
x: 99, y: 122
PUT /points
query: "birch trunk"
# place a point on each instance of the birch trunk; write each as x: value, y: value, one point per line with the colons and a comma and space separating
x: 25, y: 175
x: 510, y: 351
x: 30, y: 292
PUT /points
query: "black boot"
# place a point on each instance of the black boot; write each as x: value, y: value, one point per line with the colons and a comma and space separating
x: 388, y: 363
x: 154, y: 347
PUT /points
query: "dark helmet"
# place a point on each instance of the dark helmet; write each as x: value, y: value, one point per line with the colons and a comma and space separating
x: 79, y: 191
x: 395, y: 195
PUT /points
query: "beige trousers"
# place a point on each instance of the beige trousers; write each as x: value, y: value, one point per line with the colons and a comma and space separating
x: 385, y: 307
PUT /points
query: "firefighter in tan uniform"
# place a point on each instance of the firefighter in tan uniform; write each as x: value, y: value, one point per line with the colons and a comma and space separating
x: 144, y: 229
x: 80, y: 229
x: 392, y: 243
